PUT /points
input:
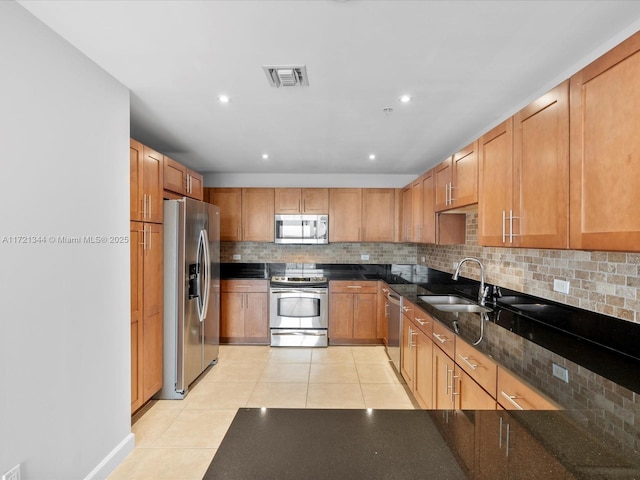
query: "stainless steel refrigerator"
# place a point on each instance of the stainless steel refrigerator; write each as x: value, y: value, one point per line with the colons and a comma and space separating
x: 191, y: 293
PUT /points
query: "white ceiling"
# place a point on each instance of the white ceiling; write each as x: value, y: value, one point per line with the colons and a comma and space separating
x: 467, y: 64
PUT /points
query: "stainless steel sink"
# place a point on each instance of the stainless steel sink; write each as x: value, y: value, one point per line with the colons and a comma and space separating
x: 453, y: 303
x: 445, y: 300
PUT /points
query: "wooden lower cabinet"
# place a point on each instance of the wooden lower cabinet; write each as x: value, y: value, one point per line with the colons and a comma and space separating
x: 443, y: 372
x: 471, y: 396
x: 382, y: 312
x: 146, y: 311
x: 408, y: 356
x: 353, y: 312
x: 423, y: 372
x: 515, y: 394
x: 244, y: 311
x: 507, y: 450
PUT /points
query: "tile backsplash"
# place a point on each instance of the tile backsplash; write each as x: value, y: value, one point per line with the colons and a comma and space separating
x: 603, y: 282
x: 383, y: 253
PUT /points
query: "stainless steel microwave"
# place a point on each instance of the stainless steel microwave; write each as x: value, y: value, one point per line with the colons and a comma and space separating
x: 312, y: 229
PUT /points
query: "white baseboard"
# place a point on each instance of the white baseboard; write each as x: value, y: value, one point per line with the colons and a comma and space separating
x: 115, y: 457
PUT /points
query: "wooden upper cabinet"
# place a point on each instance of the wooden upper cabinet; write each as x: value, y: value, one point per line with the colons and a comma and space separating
x: 428, y: 207
x: 137, y: 200
x: 443, y: 176
x: 541, y: 172
x: 407, y: 214
x: 258, y: 210
x: 464, y: 166
x: 378, y: 214
x: 146, y: 177
x: 495, y: 184
x: 302, y: 200
x: 456, y: 179
x: 182, y: 180
x: 345, y: 214
x: 230, y: 202
x: 605, y: 151
x: 416, y: 211
x: 524, y: 176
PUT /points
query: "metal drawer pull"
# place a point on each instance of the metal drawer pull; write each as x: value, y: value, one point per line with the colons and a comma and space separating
x: 406, y: 309
x: 441, y: 338
x: 354, y: 286
x: 511, y: 399
x: 466, y: 360
x: 421, y: 321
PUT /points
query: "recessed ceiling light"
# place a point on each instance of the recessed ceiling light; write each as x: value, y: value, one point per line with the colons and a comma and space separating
x: 265, y: 156
x: 223, y: 99
x: 405, y: 98
x: 372, y: 157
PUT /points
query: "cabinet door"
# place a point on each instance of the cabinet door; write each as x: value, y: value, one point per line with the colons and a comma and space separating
x: 137, y: 285
x: 428, y: 208
x: 605, y: 151
x: 407, y: 214
x: 443, y: 179
x: 315, y: 200
x: 230, y: 202
x: 341, y: 315
x: 423, y: 378
x: 443, y: 381
x: 256, y: 321
x: 136, y: 195
x: 416, y: 210
x: 196, y: 185
x: 258, y: 210
x: 153, y: 313
x: 464, y: 189
x: 378, y: 207
x: 288, y: 200
x: 232, y: 306
x: 152, y: 179
x: 345, y: 214
x: 408, y: 352
x: 514, y: 394
x: 541, y: 171
x: 175, y: 176
x: 495, y: 185
x: 470, y: 395
x: 364, y: 316
x: 382, y: 312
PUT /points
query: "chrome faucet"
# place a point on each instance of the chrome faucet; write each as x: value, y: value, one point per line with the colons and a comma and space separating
x: 482, y: 291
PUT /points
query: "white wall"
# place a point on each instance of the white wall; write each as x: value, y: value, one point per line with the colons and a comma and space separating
x: 64, y: 308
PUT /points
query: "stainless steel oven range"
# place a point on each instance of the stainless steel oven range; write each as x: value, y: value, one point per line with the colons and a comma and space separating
x: 298, y: 311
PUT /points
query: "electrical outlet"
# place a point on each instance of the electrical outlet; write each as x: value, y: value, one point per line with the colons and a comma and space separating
x: 13, y: 474
x: 424, y: 259
x: 561, y: 373
x: 560, y: 286
x: 237, y: 256
x: 364, y: 257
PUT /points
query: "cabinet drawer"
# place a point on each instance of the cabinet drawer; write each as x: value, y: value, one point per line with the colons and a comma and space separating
x: 514, y: 394
x: 347, y: 286
x: 444, y: 338
x: 240, y: 286
x: 423, y: 321
x: 477, y: 365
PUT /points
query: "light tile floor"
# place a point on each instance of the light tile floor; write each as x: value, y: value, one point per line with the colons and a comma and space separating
x: 178, y: 439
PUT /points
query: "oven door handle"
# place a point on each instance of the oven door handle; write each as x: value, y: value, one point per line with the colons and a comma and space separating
x: 315, y: 291
x: 299, y: 332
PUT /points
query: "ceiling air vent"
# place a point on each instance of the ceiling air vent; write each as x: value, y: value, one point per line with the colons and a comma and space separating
x: 286, y: 75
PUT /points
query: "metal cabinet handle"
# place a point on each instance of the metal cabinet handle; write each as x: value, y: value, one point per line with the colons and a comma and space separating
x: 421, y: 321
x: 441, y: 338
x: 504, y: 219
x: 511, y: 399
x: 406, y: 309
x: 150, y: 237
x: 466, y: 360
x: 354, y: 286
x: 385, y: 290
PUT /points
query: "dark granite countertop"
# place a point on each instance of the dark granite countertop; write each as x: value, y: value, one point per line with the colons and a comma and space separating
x: 401, y: 444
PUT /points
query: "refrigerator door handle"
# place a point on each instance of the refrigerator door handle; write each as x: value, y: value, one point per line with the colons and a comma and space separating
x: 204, y: 238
